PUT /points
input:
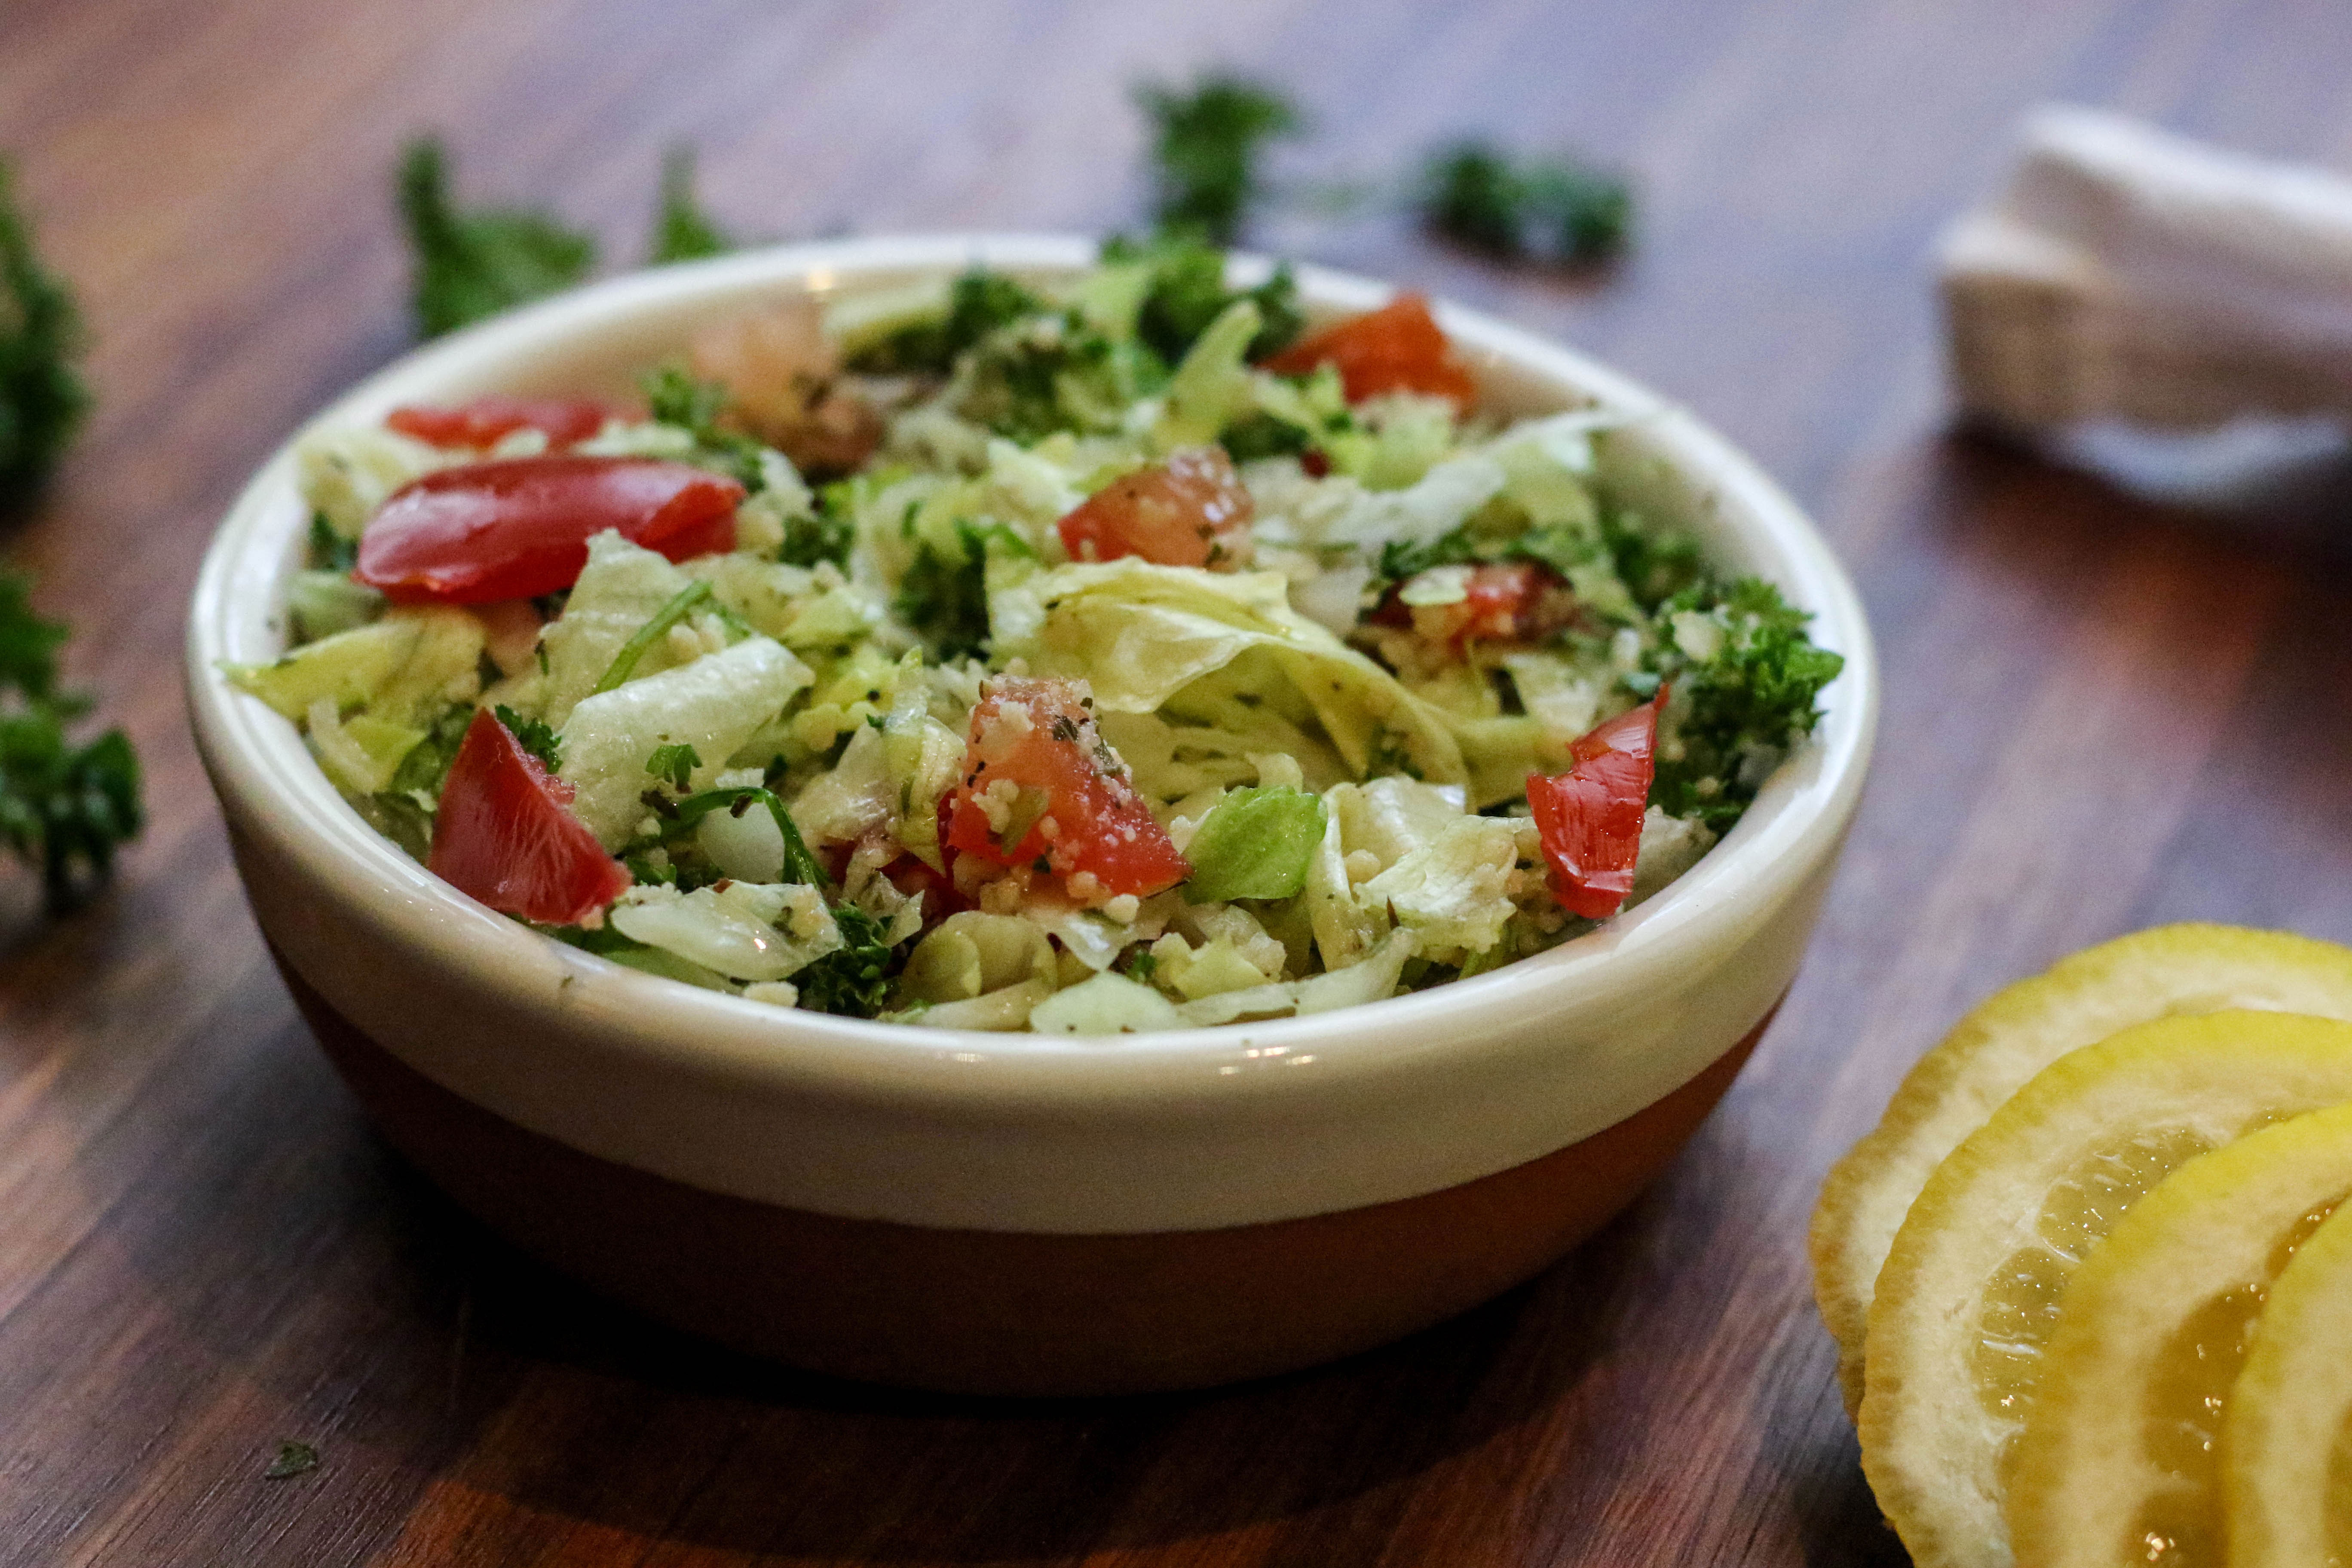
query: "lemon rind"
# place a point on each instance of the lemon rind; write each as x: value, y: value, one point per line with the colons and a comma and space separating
x: 1929, y: 1449
x: 2080, y: 1475
x: 1949, y: 1092
x: 2289, y: 1405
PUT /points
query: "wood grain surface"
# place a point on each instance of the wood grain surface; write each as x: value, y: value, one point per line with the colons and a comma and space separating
x: 2101, y: 713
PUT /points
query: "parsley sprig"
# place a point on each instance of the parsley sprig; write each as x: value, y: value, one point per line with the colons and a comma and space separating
x: 63, y: 808
x: 42, y: 398
x: 1205, y: 147
x: 472, y: 265
x: 1547, y: 209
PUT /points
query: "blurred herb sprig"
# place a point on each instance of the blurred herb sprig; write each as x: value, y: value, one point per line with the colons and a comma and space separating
x: 63, y: 809
x: 42, y: 398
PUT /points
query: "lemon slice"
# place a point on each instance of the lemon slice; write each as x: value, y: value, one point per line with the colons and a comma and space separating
x: 2116, y: 1461
x: 2286, y: 1438
x: 1972, y: 1286
x: 2015, y: 1033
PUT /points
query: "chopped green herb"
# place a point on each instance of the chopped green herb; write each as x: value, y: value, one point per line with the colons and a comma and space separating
x: 1553, y: 209
x: 1655, y: 566
x: 675, y: 397
x: 854, y: 979
x: 675, y: 763
x: 681, y: 603
x: 428, y: 764
x: 42, y: 398
x: 944, y: 600
x: 532, y: 735
x: 62, y: 807
x: 472, y: 265
x: 979, y: 303
x: 1187, y: 290
x: 1205, y: 145
x: 1746, y: 704
x: 828, y: 535
x: 681, y: 230
x: 293, y: 1460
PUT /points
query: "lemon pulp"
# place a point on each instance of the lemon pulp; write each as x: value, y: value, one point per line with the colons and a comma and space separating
x: 2019, y: 1306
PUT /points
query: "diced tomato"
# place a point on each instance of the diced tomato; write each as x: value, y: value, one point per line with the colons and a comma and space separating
x: 1505, y: 601
x: 1398, y: 348
x: 505, y: 834
x: 520, y: 527
x: 1591, y: 816
x: 1189, y: 510
x: 1039, y: 784
x: 489, y: 419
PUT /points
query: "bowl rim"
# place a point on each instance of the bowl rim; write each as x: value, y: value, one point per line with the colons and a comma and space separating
x: 255, y: 756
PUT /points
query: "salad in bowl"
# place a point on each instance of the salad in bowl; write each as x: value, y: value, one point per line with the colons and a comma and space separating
x: 1112, y: 654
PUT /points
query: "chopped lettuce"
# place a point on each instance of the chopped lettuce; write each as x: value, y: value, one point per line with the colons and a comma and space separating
x: 1256, y: 843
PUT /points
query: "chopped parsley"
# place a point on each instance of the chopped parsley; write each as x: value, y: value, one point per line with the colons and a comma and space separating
x: 943, y: 597
x: 467, y: 265
x: 828, y: 533
x: 1205, y: 144
x: 675, y: 397
x: 853, y: 980
x: 1187, y: 290
x: 1550, y: 209
x: 42, y: 398
x: 675, y: 763
x: 63, y: 808
x: 979, y: 303
x: 532, y: 735
x: 1746, y: 704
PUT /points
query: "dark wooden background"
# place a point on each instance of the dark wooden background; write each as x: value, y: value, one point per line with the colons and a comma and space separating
x: 2101, y: 712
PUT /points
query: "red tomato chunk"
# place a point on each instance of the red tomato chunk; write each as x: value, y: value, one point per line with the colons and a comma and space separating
x: 1511, y: 601
x: 519, y: 528
x: 1589, y: 819
x: 489, y: 419
x: 1189, y: 510
x: 505, y: 835
x: 1039, y: 784
x: 1398, y: 348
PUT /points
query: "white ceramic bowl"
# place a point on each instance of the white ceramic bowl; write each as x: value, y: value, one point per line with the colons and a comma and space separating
x: 444, y: 1012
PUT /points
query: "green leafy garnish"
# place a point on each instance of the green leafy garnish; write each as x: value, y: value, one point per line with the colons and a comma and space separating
x: 42, y: 398
x: 681, y: 603
x: 1552, y: 209
x: 979, y: 302
x: 1654, y: 566
x: 829, y: 532
x: 293, y: 1460
x: 63, y: 808
x: 682, y: 232
x: 468, y: 266
x: 532, y: 735
x: 1186, y: 291
x: 675, y: 762
x: 1204, y: 150
x: 1751, y: 700
x: 943, y: 597
x: 675, y: 397
x: 854, y: 979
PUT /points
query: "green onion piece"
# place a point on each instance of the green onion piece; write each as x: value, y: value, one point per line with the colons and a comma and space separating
x: 1256, y: 843
x: 800, y: 864
x: 681, y: 603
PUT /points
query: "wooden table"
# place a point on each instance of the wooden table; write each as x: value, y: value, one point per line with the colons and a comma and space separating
x: 2100, y: 714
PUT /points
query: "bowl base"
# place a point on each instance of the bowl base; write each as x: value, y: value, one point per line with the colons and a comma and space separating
x: 1000, y: 1312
